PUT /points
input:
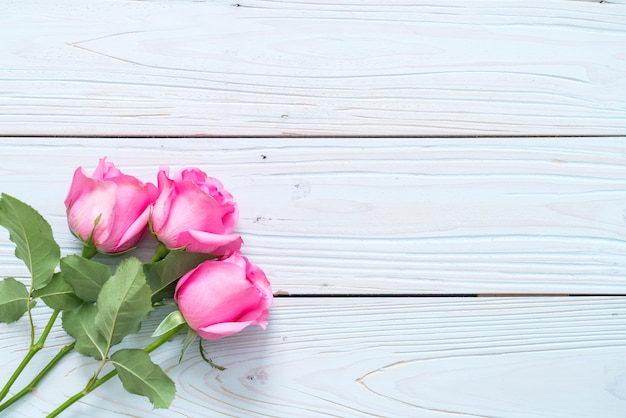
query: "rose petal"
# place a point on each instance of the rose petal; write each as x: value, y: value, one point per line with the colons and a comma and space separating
x: 217, y: 299
x: 217, y: 331
x: 208, y: 243
x: 118, y: 202
x: 105, y: 171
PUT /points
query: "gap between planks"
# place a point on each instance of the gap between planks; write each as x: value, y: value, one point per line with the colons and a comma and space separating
x: 131, y: 136
x: 446, y: 295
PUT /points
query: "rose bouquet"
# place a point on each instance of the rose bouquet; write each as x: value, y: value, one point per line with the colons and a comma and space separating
x: 197, y: 269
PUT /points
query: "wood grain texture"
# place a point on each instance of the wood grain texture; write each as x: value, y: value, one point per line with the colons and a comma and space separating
x: 356, y: 216
x: 378, y: 357
x: 294, y: 67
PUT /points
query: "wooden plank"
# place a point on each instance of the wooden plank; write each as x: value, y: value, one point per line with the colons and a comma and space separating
x: 224, y: 68
x: 400, y: 357
x: 355, y: 216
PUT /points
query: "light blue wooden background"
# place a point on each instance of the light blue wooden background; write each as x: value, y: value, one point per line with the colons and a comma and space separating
x: 494, y: 166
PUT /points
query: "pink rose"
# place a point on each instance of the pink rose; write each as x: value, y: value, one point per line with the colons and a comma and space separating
x: 109, y: 211
x: 221, y: 297
x: 194, y: 212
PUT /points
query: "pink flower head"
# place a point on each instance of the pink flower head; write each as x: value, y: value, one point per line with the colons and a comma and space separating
x: 194, y: 212
x: 109, y: 210
x: 221, y: 297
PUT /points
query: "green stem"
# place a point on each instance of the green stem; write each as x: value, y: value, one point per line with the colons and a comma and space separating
x: 30, y: 320
x: 34, y: 348
x: 208, y: 360
x: 88, y: 252
x: 159, y: 253
x: 98, y: 382
x: 33, y: 384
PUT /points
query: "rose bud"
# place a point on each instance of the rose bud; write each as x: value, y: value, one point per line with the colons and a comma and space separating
x: 108, y: 211
x: 221, y: 297
x: 194, y: 212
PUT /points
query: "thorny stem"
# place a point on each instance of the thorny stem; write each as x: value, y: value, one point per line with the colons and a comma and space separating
x: 93, y: 384
x: 87, y: 252
x: 208, y: 360
x: 33, y: 384
x: 34, y: 348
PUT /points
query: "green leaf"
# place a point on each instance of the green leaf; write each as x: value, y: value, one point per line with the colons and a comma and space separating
x: 13, y: 300
x: 79, y: 323
x: 58, y: 294
x: 85, y: 276
x: 123, y: 302
x: 162, y: 275
x: 170, y: 322
x: 140, y: 376
x: 189, y: 338
x: 33, y: 238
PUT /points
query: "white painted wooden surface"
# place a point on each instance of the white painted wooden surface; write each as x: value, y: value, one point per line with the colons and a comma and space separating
x: 379, y: 215
x: 392, y: 357
x: 382, y: 216
x: 261, y: 67
x: 482, y: 213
